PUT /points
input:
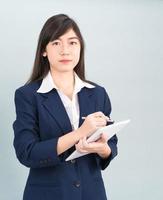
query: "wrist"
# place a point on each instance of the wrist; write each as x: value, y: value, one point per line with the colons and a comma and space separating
x: 105, y: 152
x: 78, y: 134
x: 81, y: 132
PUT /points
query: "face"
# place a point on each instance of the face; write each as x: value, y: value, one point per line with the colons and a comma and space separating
x: 63, y: 53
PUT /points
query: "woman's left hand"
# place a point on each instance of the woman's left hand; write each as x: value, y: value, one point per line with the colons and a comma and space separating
x: 100, y: 146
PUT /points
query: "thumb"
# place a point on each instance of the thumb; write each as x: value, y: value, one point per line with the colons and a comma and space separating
x: 103, y: 138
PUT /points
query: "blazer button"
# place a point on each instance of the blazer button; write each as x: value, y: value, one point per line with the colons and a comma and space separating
x: 73, y: 161
x: 77, y: 183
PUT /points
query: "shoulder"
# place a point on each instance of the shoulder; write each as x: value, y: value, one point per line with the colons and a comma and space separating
x: 30, y: 88
x: 101, y: 93
x: 98, y: 89
x: 98, y: 92
x: 101, y: 98
x: 28, y: 91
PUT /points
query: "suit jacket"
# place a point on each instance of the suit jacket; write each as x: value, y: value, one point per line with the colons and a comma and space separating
x: 40, y: 120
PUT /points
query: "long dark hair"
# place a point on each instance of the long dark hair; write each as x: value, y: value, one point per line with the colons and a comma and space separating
x: 53, y: 28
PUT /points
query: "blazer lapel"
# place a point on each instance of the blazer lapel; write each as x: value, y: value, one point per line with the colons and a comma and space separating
x: 86, y: 103
x: 55, y: 107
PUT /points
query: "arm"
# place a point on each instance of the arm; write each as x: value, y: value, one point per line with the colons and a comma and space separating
x: 30, y: 150
x: 103, y: 159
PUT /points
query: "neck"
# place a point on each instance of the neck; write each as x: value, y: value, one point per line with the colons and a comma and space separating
x: 64, y: 81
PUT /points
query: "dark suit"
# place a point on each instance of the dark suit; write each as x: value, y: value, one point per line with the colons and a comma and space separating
x: 41, y: 120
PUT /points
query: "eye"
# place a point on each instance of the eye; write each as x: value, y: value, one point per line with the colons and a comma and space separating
x: 55, y: 43
x: 73, y: 43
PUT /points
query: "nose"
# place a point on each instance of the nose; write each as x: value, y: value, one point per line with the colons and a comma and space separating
x: 64, y: 49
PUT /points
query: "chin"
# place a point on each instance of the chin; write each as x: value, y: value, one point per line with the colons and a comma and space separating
x: 64, y: 68
x: 67, y: 69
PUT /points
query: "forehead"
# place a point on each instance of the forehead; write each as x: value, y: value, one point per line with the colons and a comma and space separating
x: 70, y: 34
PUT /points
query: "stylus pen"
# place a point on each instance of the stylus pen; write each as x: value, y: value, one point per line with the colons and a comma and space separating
x: 107, y: 118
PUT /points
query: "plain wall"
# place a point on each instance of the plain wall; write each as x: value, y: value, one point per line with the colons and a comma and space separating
x: 124, y: 53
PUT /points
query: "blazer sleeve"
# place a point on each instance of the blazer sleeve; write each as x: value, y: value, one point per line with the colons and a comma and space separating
x: 113, y: 140
x: 30, y: 150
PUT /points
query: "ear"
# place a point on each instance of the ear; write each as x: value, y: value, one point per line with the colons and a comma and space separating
x: 44, y: 54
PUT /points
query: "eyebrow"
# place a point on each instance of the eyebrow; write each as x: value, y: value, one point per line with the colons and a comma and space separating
x: 70, y: 38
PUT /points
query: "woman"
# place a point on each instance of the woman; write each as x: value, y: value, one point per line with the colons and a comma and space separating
x: 57, y: 109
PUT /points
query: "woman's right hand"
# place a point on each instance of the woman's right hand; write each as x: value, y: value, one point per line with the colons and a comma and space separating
x: 92, y: 122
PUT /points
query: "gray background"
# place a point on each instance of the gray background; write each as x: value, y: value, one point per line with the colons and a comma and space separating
x: 124, y: 49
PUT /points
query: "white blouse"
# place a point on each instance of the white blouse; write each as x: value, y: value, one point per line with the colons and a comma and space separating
x: 71, y: 106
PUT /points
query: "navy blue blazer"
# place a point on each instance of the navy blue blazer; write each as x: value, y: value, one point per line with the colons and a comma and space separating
x: 40, y: 120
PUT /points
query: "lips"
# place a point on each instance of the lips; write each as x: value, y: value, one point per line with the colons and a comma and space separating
x: 65, y: 61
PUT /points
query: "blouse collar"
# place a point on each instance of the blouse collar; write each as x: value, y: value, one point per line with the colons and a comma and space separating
x: 48, y: 84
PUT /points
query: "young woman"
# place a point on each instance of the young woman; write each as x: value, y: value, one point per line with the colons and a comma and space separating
x: 56, y: 110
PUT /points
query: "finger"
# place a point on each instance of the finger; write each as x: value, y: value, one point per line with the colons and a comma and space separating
x: 80, y: 149
x: 103, y: 138
x: 102, y: 123
x: 80, y: 143
x: 84, y: 142
x: 99, y: 114
x: 77, y: 147
x: 100, y: 119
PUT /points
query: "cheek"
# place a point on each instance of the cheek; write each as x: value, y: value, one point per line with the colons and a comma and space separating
x: 52, y: 57
x: 77, y: 55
